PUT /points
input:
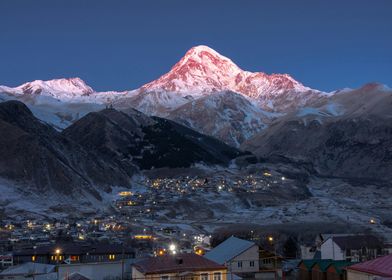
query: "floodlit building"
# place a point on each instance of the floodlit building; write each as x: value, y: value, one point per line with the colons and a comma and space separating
x: 181, y: 266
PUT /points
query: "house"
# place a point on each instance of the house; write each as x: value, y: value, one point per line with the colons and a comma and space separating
x: 29, y: 270
x: 351, y: 248
x: 76, y: 276
x: 238, y: 255
x: 379, y: 268
x: 96, y: 270
x: 73, y: 253
x: 322, y: 269
x: 6, y: 261
x: 183, y: 266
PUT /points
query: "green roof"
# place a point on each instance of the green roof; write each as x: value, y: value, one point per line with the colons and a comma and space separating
x: 324, y: 264
x: 308, y: 264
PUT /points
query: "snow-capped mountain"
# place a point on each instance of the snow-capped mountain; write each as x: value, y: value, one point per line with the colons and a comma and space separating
x: 59, y: 88
x: 202, y: 77
x: 65, y: 89
x: 203, y: 71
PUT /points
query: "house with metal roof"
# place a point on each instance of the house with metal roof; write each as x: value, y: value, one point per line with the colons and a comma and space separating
x: 351, y: 248
x: 379, y: 268
x: 322, y: 269
x: 185, y: 266
x: 29, y: 270
x: 238, y: 255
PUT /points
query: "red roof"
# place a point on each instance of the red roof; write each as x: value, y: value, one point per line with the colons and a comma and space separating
x: 177, y: 263
x: 381, y: 266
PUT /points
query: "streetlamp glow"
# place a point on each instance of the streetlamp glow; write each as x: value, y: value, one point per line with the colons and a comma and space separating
x: 172, y: 247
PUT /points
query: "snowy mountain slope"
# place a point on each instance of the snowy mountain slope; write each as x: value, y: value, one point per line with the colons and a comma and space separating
x: 349, y: 135
x: 36, y: 155
x: 228, y: 116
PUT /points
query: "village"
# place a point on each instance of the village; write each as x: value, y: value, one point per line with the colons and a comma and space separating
x: 148, y: 226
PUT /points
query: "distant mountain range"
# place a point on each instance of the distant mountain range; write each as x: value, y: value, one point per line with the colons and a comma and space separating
x: 203, y: 83
x: 340, y: 133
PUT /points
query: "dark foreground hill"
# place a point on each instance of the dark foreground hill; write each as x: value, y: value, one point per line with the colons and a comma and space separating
x: 150, y: 142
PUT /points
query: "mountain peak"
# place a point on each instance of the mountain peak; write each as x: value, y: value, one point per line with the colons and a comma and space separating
x: 203, y: 70
x: 75, y: 86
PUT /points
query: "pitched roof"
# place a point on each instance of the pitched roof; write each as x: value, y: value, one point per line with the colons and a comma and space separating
x: 357, y: 242
x: 381, y: 266
x: 28, y: 268
x: 76, y: 276
x: 229, y: 249
x: 308, y: 264
x: 339, y: 266
x: 178, y: 263
x: 324, y: 264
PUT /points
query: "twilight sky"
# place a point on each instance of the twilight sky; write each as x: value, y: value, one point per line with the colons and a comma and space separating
x: 118, y: 44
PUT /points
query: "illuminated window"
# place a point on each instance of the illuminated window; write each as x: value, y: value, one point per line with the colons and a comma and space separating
x: 33, y: 258
x: 112, y: 257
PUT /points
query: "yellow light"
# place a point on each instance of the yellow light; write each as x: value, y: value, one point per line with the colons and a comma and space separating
x: 143, y: 236
x: 267, y: 174
x: 125, y: 193
x: 58, y: 251
x: 33, y: 258
x: 270, y: 239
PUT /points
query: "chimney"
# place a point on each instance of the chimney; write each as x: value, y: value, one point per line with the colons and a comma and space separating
x: 179, y: 260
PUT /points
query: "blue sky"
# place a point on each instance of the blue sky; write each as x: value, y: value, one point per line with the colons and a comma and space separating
x: 118, y: 45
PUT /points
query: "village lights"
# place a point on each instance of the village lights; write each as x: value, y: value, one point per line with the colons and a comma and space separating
x: 270, y: 239
x: 58, y: 251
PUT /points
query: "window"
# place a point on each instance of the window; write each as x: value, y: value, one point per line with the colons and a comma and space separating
x: 165, y: 277
x: 204, y: 276
x: 33, y: 258
x: 239, y: 264
x: 112, y: 257
x: 217, y: 276
x: 252, y: 263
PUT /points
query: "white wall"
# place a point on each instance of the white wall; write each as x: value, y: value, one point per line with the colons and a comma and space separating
x: 330, y: 250
x: 356, y: 275
x: 252, y: 254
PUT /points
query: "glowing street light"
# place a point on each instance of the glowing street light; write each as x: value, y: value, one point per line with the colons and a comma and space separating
x: 172, y: 247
